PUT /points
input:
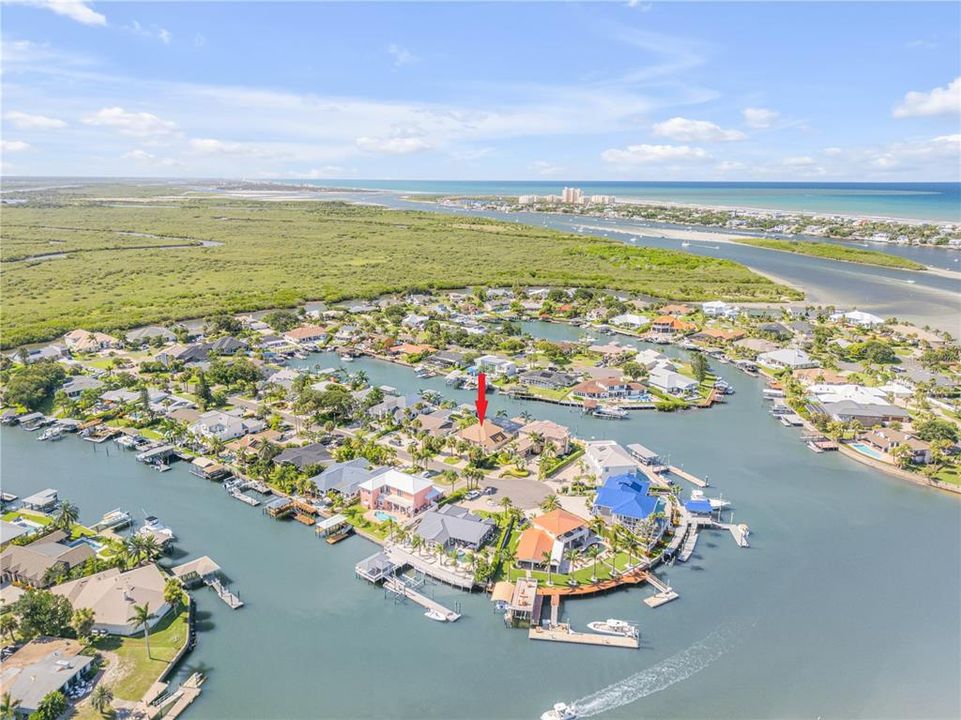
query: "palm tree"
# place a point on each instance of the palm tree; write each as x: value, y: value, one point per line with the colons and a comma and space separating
x: 150, y: 548
x: 550, y: 503
x: 592, y: 552
x: 572, y: 555
x: 67, y: 516
x: 142, y: 617
x: 506, y: 503
x: 8, y: 707
x: 9, y: 625
x: 101, y: 698
x: 546, y: 559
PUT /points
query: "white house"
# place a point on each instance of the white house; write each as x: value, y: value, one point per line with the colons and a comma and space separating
x: 791, y: 358
x: 225, y: 426
x: 668, y: 381
x: 606, y: 458
x: 495, y: 365
x: 719, y: 308
x: 630, y: 320
x: 414, y: 321
x: 857, y: 317
x: 649, y: 358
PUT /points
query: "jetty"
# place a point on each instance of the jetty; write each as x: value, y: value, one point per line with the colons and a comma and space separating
x: 665, y: 593
x: 693, y: 479
x: 397, y: 587
x: 233, y: 601
x: 687, y: 549
x: 562, y: 632
x: 238, y: 495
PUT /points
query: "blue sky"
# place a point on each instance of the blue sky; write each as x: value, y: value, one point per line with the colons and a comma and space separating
x: 633, y: 91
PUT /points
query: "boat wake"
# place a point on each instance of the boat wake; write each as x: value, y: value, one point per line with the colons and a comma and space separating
x: 674, y: 669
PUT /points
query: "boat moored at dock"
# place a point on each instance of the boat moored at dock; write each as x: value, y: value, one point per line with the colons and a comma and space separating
x: 613, y: 626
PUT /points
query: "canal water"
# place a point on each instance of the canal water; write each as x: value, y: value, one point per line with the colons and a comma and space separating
x: 846, y: 604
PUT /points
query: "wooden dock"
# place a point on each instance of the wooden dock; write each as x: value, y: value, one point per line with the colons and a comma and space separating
x: 693, y: 479
x: 665, y: 593
x: 397, y: 586
x: 562, y: 632
x: 689, y: 544
x: 233, y: 601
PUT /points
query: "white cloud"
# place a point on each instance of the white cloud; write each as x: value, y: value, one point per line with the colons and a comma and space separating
x: 402, y: 56
x: 393, y: 145
x: 140, y: 124
x: 142, y: 156
x: 154, y: 31
x: 639, y: 5
x: 760, y: 118
x: 653, y: 154
x: 940, y: 101
x: 212, y: 146
x: 78, y: 10
x: 833, y: 151
x: 546, y: 169
x: 26, y: 121
x: 686, y: 130
x: 799, y: 161
x: 328, y: 171
x: 12, y: 146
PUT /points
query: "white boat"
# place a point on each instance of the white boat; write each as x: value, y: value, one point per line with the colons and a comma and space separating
x: 716, y: 503
x: 53, y: 433
x: 685, y: 244
x: 612, y: 626
x: 161, y: 467
x: 347, y: 358
x: 610, y: 412
x: 160, y: 532
x: 560, y: 711
x: 435, y: 615
x: 114, y: 519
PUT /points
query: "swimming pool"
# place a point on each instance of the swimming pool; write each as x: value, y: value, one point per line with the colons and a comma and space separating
x: 867, y: 450
x: 382, y: 516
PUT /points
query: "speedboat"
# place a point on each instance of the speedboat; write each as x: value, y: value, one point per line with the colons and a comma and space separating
x: 560, y: 711
x: 54, y: 433
x: 160, y: 532
x: 612, y: 626
x: 606, y: 411
x: 436, y: 615
x: 114, y: 519
x: 716, y: 503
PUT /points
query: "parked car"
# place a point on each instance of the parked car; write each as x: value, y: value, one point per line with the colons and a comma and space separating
x: 490, y: 490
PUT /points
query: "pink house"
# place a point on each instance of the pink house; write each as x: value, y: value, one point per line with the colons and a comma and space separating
x: 397, y: 492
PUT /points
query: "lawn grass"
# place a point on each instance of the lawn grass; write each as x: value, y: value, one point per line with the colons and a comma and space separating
x: 949, y: 474
x: 138, y: 671
x: 43, y: 520
x: 834, y: 252
x: 279, y: 254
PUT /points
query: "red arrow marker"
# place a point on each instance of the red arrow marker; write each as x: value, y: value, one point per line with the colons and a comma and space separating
x: 481, y: 402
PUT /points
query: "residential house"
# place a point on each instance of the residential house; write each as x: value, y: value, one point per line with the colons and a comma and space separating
x: 718, y: 308
x: 305, y: 456
x: 625, y: 500
x: 437, y: 423
x: 670, y: 325
x: 488, y: 437
x: 225, y: 425
x: 32, y: 355
x: 76, y: 385
x: 43, y: 666
x: 789, y: 358
x: 227, y: 345
x: 30, y: 564
x: 415, y: 321
x: 398, y: 492
x: 756, y: 345
x: 186, y: 354
x: 453, y: 526
x: 630, y: 320
x: 448, y: 359
x: 544, y: 433
x: 306, y: 335
x: 550, y: 536
x: 887, y: 439
x: 775, y: 330
x: 345, y: 478
x: 857, y: 317
x: 496, y: 365
x: 395, y: 406
x: 649, y: 358
x: 112, y: 595
x: 148, y: 334
x: 549, y: 379
x: 606, y: 458
x: 676, y: 310
x: 671, y: 382
x: 84, y: 341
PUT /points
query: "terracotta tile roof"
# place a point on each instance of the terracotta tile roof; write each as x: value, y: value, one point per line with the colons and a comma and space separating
x: 533, y: 544
x: 558, y: 522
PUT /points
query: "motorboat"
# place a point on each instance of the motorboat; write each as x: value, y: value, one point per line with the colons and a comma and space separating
x: 613, y: 626
x: 560, y: 711
x: 160, y: 532
x: 114, y: 520
x: 53, y: 433
x: 608, y: 412
x: 716, y: 503
x: 435, y: 615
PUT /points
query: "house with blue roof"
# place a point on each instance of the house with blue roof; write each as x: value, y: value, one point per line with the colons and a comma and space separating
x: 625, y: 500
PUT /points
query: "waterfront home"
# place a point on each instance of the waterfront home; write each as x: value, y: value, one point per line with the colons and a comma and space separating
x: 225, y: 425
x: 857, y: 317
x: 227, y: 345
x: 717, y: 308
x: 250, y: 445
x: 148, y: 334
x: 630, y: 320
x: 868, y: 405
x: 617, y: 388
x: 644, y: 455
x: 43, y: 666
x: 787, y: 358
x: 448, y: 359
x: 819, y: 376
x: 756, y: 345
x: 84, y: 341
x: 398, y: 492
x: 409, y: 349
x: 76, y: 385
x: 284, y: 378
x: 395, y: 406
x: 668, y: 325
x: 606, y: 458
x: 495, y: 365
x: 552, y: 533
x: 305, y: 456
x: 611, y: 351
x: 549, y: 379
x: 10, y: 531
x: 454, y: 526
x: 671, y: 382
x: 305, y: 334
x: 112, y: 595
x: 649, y: 358
x: 537, y: 435
x: 42, y: 501
x: 30, y: 564
x: 345, y: 478
x: 677, y: 310
x: 625, y: 500
x: 887, y: 439
x: 718, y: 336
x: 488, y: 437
x: 775, y: 330
x: 415, y: 321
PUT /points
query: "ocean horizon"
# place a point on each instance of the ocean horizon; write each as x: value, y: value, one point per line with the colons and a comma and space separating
x: 931, y: 201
